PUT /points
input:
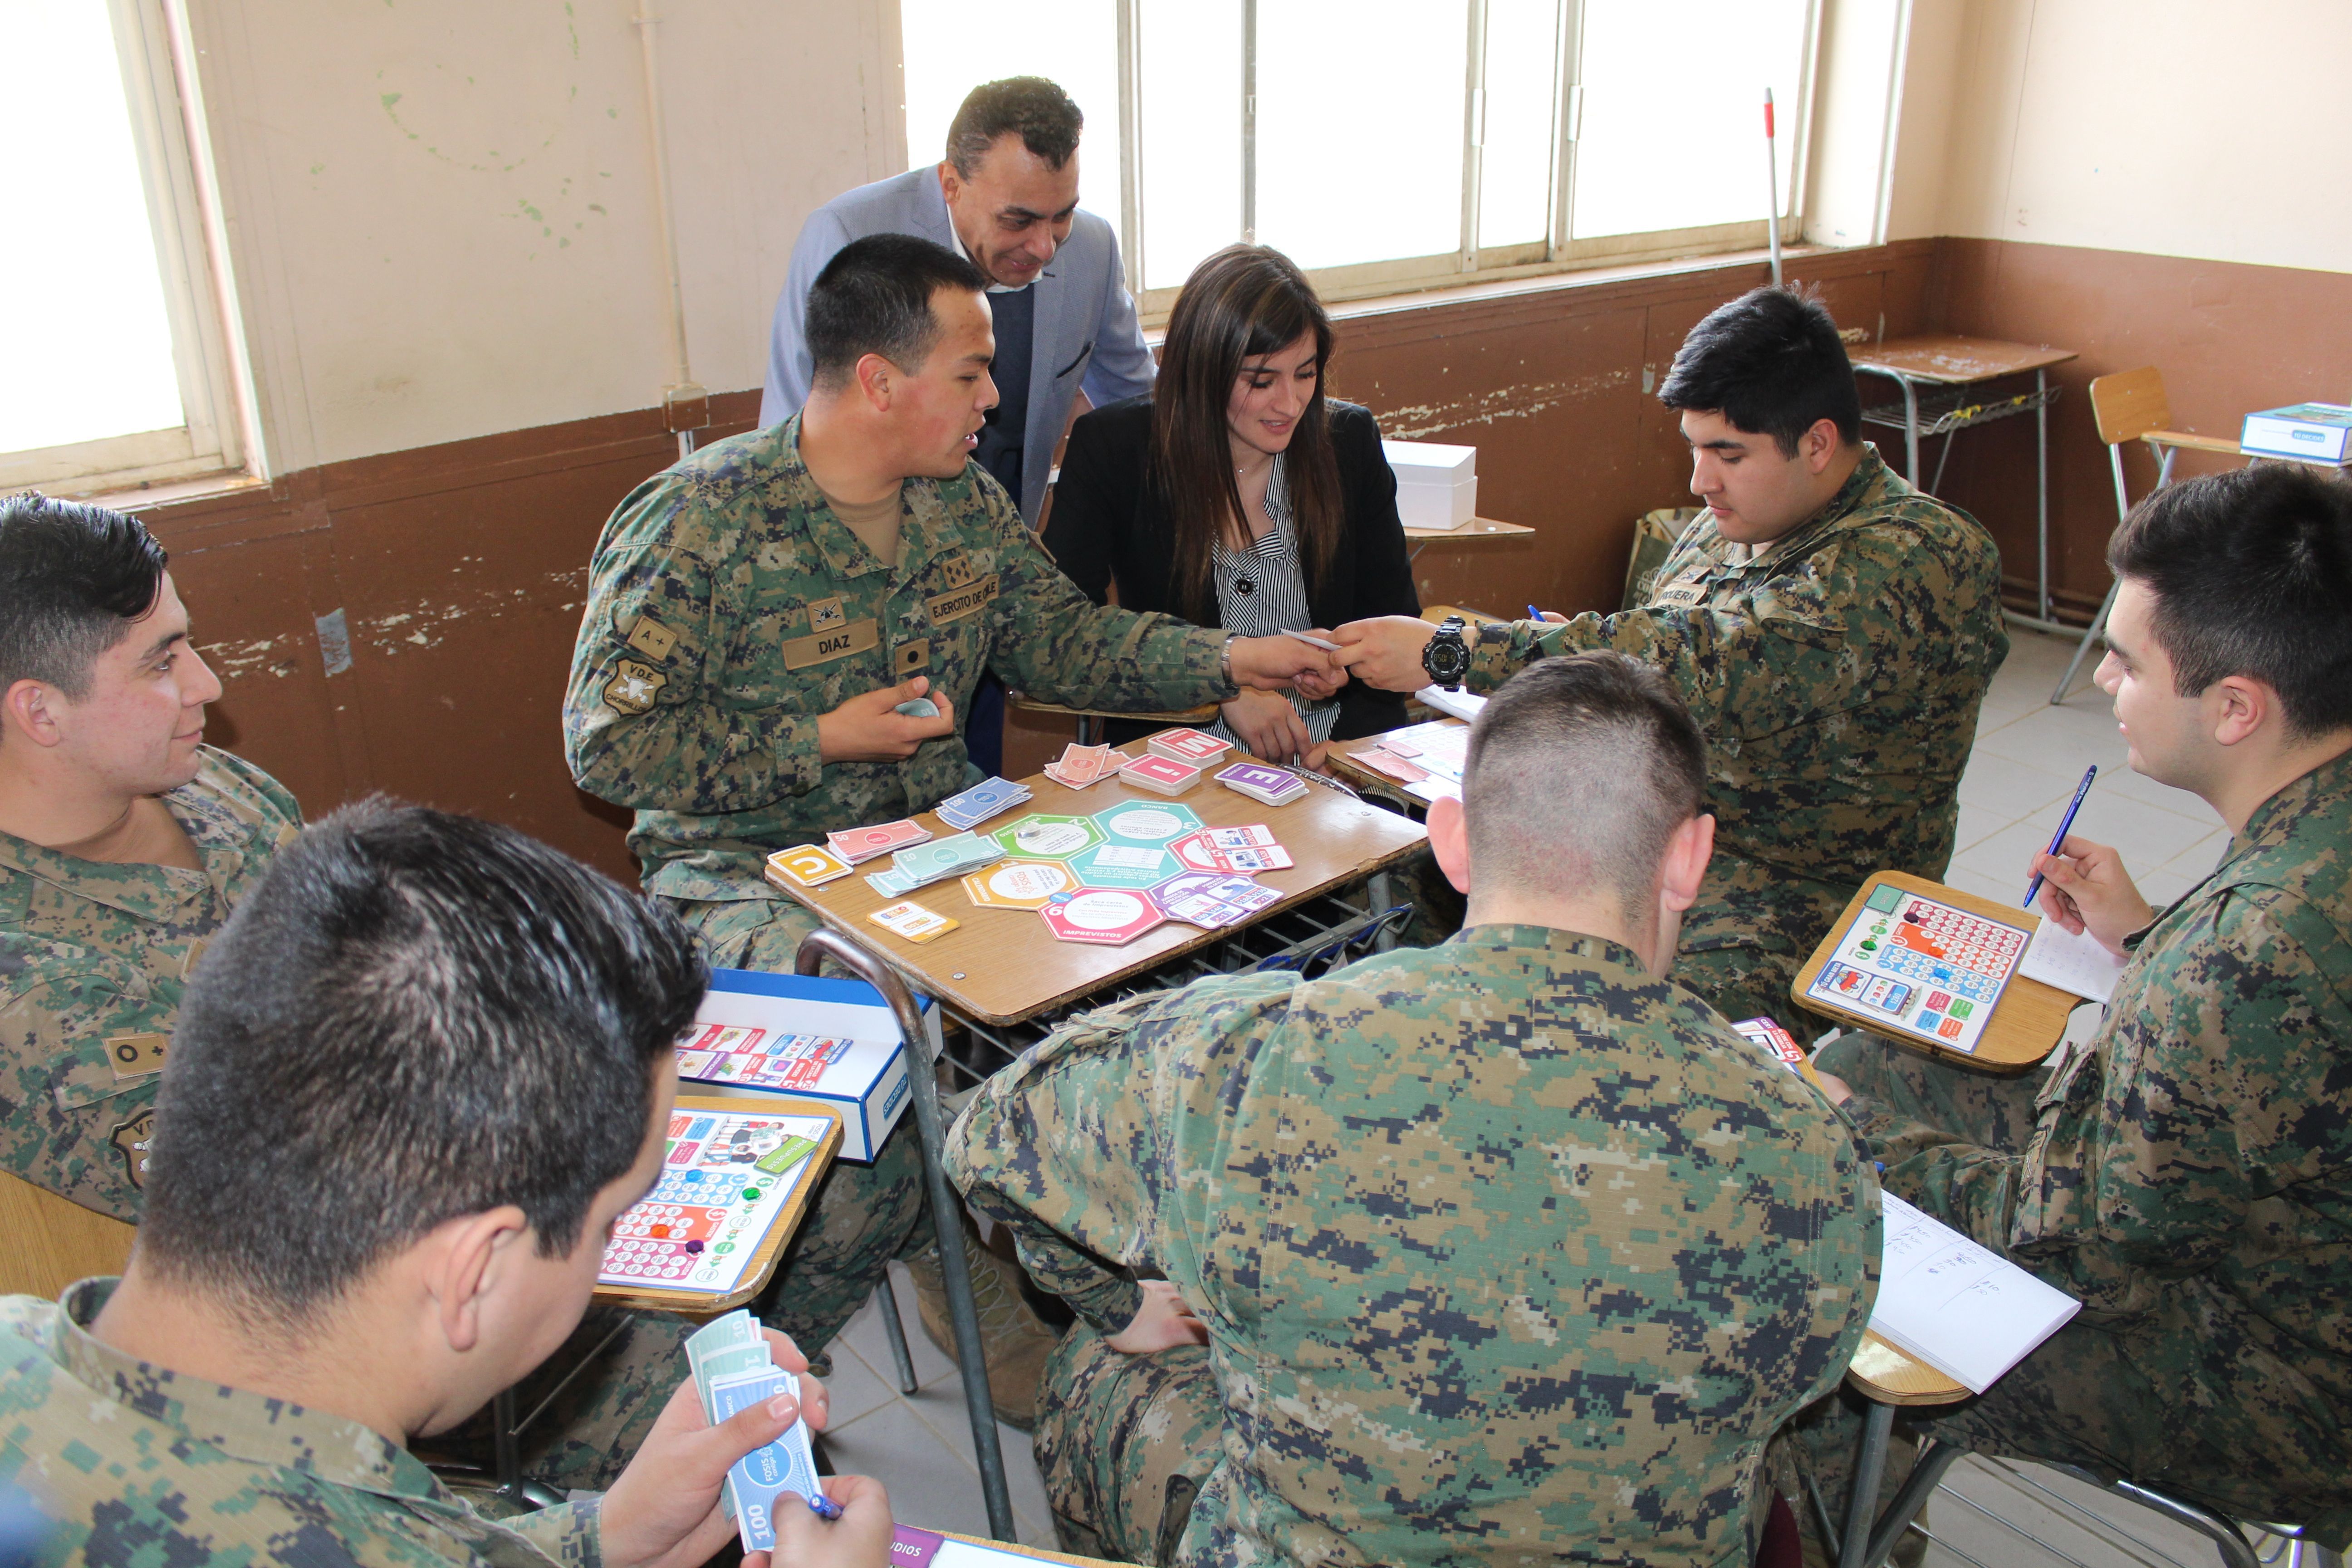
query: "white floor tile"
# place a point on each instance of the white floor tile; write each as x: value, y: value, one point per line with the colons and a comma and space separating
x: 2010, y: 789
x: 855, y: 1388
x: 2059, y: 741
x: 1976, y: 824
x: 931, y: 1485
x: 2148, y: 835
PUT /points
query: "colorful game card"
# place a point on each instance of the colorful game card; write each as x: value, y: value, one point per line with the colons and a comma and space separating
x: 808, y: 866
x: 1917, y: 967
x: 726, y: 1178
x: 911, y: 920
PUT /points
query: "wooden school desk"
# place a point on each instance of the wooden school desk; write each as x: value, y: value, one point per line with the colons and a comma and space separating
x: 1003, y: 966
x: 2027, y: 1021
x: 1889, y: 1379
x: 1470, y: 532
x: 1949, y: 367
x: 1342, y: 761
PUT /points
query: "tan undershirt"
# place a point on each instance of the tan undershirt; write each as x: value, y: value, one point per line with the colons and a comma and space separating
x: 876, y: 523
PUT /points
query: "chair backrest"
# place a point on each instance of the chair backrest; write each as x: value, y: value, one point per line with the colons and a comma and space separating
x: 2128, y: 404
x: 53, y: 1242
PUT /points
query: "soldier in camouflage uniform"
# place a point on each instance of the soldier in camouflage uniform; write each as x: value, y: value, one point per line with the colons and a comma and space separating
x: 744, y: 648
x: 99, y: 935
x: 1831, y: 629
x: 1501, y: 1250
x: 2186, y: 1173
x: 247, y: 1391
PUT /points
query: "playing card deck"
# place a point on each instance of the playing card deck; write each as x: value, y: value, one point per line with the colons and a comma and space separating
x: 920, y: 865
x: 1275, y: 786
x: 1080, y: 767
x: 732, y: 1371
x: 859, y: 845
x: 1160, y: 774
x: 1191, y: 747
x: 980, y: 802
x: 1212, y: 900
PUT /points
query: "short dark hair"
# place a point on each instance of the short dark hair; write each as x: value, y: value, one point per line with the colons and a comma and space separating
x: 1035, y: 109
x: 1772, y: 364
x: 1579, y: 770
x: 874, y: 298
x: 72, y: 579
x: 415, y: 1016
x: 2251, y: 573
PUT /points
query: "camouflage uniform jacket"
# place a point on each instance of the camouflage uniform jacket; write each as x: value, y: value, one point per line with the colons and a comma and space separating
x: 1505, y: 1248
x: 1836, y: 673
x: 2189, y: 1173
x: 92, y: 953
x: 729, y: 608
x: 135, y: 1463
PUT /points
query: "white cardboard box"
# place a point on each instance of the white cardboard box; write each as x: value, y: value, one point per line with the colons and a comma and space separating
x: 2319, y: 432
x: 1437, y: 484
x: 841, y: 1046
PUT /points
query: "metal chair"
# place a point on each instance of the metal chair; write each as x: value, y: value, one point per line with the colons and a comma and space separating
x: 931, y: 1125
x: 2130, y: 405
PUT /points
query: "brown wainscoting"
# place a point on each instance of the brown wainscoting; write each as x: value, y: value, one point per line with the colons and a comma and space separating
x: 2230, y: 339
x: 459, y: 568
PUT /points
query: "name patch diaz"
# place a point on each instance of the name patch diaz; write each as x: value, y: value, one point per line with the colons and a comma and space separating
x: 956, y: 603
x: 631, y: 690
x: 136, y: 1056
x: 857, y: 636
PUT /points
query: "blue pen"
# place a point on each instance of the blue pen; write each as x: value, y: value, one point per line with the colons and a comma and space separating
x: 2081, y: 790
x: 1534, y: 614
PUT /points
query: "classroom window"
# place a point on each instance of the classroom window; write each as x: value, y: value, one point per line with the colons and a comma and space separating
x: 1394, y: 144
x: 112, y: 331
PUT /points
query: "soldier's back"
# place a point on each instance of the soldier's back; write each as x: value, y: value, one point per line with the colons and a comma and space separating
x: 1522, y: 1251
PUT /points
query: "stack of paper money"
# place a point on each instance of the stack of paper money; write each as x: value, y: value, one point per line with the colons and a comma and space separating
x: 980, y: 802
x: 1080, y: 766
x: 922, y: 864
x: 732, y: 1371
x: 861, y: 843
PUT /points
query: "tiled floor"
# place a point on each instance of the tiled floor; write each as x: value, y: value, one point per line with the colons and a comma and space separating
x: 2028, y: 758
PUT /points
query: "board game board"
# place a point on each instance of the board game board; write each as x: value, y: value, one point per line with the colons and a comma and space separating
x: 1917, y: 966
x: 735, y: 1177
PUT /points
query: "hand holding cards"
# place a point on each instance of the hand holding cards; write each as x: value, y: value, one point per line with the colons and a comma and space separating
x: 732, y: 1371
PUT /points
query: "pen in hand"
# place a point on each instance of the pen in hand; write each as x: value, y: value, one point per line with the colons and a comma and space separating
x: 2065, y: 825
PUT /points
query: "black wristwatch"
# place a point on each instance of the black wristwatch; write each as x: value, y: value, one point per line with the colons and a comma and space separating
x: 1447, y: 656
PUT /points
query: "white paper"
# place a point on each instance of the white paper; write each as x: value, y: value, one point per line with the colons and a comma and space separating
x: 2071, y: 962
x: 1461, y: 705
x: 1964, y: 1309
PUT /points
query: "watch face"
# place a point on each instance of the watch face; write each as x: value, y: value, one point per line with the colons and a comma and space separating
x: 1446, y: 659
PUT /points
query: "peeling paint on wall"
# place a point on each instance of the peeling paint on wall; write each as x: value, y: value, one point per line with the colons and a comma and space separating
x: 427, y: 625
x: 1523, y: 401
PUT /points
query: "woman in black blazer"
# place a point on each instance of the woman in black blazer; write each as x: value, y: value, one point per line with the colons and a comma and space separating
x: 1236, y: 496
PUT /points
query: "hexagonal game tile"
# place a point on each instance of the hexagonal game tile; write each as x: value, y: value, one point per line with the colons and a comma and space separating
x: 1146, y: 824
x: 1019, y: 884
x: 1121, y: 865
x: 1048, y: 838
x: 1104, y: 916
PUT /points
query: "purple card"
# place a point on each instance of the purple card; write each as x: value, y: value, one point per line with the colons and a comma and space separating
x: 1257, y: 775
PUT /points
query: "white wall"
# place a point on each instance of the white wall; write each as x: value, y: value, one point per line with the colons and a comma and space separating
x: 441, y: 214
x: 2173, y: 127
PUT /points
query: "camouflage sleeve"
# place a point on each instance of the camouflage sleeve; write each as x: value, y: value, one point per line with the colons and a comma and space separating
x: 71, y: 1124
x: 1037, y: 1151
x: 646, y: 724
x: 2154, y: 1145
x: 1799, y: 644
x: 1049, y: 641
x: 571, y: 1533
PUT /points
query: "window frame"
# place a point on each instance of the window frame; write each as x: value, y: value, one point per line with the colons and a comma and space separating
x: 1470, y: 263
x: 166, y: 126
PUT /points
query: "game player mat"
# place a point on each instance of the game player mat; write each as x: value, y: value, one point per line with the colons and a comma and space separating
x: 758, y: 1230
x: 2025, y: 1018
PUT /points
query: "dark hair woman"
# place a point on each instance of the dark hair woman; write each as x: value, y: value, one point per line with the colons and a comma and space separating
x: 1237, y: 495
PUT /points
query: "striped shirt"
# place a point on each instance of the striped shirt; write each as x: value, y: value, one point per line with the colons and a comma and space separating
x: 1261, y: 590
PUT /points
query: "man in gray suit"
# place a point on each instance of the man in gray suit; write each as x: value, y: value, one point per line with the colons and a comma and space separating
x: 1006, y: 196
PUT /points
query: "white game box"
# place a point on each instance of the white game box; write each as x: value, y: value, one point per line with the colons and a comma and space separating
x: 813, y: 1039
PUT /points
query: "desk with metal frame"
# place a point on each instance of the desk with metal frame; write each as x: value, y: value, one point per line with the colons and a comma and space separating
x: 1948, y: 365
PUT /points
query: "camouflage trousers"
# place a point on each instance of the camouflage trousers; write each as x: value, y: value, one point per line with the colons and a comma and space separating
x: 862, y: 1216
x: 1744, y: 941
x: 1124, y: 1444
x: 2085, y: 1398
x: 609, y: 1380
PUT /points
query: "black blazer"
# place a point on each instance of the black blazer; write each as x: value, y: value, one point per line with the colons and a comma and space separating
x: 1107, y: 524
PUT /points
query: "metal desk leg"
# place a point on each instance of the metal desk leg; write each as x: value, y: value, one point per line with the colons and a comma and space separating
x: 1854, y: 1547
x: 1383, y: 889
x: 923, y: 1074
x: 895, y: 1330
x: 1910, y: 429
x: 2042, y: 470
